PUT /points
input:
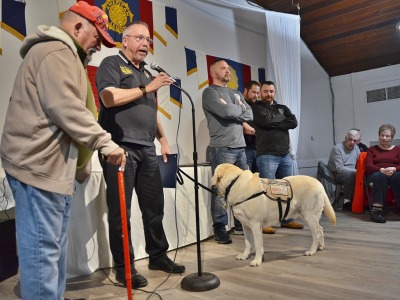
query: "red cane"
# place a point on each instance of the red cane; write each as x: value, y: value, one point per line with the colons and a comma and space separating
x: 122, y: 204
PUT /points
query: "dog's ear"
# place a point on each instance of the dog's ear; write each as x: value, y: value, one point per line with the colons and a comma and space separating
x: 219, y: 177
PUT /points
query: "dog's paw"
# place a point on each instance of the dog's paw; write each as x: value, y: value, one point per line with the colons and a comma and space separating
x: 255, y: 262
x: 309, y: 253
x: 320, y: 248
x: 243, y: 256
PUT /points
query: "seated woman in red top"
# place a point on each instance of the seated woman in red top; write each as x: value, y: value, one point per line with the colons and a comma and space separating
x: 383, y: 170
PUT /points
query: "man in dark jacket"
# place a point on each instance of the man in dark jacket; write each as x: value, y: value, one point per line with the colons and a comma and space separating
x: 273, y: 121
x: 251, y: 94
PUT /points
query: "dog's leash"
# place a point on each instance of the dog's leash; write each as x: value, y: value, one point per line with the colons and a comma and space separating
x: 179, y: 178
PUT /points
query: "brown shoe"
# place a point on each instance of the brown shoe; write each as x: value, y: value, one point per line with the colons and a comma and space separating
x: 292, y: 225
x: 268, y: 230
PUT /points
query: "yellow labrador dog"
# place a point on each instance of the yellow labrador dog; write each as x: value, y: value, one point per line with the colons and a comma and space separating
x: 255, y: 210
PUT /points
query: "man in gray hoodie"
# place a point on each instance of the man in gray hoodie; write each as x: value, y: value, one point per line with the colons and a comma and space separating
x: 45, y: 123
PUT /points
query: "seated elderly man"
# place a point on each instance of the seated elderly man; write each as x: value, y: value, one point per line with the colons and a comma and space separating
x: 342, y: 164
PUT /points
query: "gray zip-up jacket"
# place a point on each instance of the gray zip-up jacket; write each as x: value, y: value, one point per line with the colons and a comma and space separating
x: 47, y: 115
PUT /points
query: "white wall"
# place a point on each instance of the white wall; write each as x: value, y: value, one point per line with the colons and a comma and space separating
x: 214, y: 28
x: 316, y: 127
x: 352, y: 109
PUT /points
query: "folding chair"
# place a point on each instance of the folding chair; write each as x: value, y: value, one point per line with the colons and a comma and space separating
x: 332, y: 188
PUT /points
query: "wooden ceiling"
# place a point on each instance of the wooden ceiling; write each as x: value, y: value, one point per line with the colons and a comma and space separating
x: 346, y: 36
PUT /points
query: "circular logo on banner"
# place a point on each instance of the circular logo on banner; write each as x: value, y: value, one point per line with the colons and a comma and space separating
x: 119, y: 14
x: 234, y: 83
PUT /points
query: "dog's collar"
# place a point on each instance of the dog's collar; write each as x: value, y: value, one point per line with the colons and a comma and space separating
x: 228, y: 189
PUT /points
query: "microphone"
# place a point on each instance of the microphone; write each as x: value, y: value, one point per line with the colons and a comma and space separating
x: 157, y: 68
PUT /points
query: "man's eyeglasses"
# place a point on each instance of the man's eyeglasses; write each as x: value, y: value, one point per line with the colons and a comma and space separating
x: 141, y: 38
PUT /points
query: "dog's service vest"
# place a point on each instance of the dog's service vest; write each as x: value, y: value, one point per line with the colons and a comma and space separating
x: 277, y: 189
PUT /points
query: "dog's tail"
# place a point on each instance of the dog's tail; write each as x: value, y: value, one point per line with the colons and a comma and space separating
x: 328, y: 209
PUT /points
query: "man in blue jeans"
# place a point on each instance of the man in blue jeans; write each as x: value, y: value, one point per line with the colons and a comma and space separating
x: 39, y: 152
x: 273, y: 122
x: 225, y: 110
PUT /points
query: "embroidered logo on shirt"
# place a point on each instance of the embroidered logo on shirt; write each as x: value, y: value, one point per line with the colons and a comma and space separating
x: 125, y: 70
x: 237, y: 96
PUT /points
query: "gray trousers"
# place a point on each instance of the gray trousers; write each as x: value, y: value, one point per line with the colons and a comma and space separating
x: 347, y: 180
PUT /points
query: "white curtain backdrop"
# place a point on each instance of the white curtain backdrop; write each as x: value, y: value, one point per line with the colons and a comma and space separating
x: 283, y: 31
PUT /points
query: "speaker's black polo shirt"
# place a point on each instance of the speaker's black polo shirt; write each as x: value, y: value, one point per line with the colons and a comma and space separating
x: 136, y: 121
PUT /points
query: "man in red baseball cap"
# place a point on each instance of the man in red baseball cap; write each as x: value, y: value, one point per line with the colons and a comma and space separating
x: 39, y: 152
x: 96, y: 16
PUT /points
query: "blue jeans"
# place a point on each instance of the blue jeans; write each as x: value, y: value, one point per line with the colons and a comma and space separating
x: 235, y: 156
x: 42, y: 220
x: 275, y: 167
x: 251, y: 159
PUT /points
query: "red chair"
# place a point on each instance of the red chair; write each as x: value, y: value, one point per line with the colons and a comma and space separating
x: 359, y: 198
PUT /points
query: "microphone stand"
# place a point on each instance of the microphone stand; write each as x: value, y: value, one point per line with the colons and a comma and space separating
x: 200, y: 281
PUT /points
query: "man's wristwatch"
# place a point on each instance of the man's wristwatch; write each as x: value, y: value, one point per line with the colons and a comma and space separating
x: 143, y: 89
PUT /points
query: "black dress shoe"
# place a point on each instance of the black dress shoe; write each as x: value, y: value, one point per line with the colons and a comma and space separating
x: 137, y: 280
x: 166, y: 265
x: 377, y: 217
